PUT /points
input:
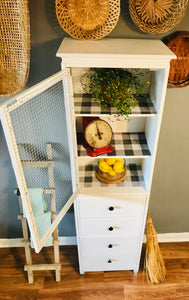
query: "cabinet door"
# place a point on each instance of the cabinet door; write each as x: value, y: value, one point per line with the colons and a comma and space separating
x: 40, y: 135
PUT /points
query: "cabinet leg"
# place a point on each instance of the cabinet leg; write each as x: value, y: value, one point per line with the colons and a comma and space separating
x: 81, y: 271
x: 135, y: 271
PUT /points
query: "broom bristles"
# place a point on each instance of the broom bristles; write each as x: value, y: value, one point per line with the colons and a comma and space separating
x: 154, y: 262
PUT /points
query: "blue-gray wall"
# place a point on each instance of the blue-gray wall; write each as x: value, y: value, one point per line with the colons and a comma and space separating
x: 169, y: 205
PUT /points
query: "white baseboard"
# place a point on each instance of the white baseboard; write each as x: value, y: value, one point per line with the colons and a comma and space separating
x: 71, y: 240
x: 67, y: 240
x: 172, y: 237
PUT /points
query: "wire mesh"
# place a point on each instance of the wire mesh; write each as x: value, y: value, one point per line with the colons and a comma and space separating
x: 38, y: 123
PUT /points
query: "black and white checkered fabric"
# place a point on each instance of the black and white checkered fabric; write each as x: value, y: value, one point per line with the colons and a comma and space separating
x: 87, y: 178
x: 84, y: 104
x: 125, y: 144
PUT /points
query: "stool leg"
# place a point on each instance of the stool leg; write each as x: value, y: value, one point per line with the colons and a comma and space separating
x: 27, y: 249
x: 30, y: 276
x: 26, y: 239
x: 56, y: 254
x: 53, y: 213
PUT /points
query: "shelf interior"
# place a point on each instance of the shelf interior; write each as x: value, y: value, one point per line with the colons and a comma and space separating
x: 125, y: 144
x: 86, y: 105
x: 134, y: 178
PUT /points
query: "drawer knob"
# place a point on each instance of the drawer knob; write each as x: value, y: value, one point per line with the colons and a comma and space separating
x: 111, y: 208
x: 109, y: 261
x: 110, y: 246
x: 110, y: 228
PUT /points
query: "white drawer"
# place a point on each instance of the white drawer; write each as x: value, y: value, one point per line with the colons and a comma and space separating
x: 110, y: 246
x: 110, y: 206
x: 110, y: 261
x: 110, y: 227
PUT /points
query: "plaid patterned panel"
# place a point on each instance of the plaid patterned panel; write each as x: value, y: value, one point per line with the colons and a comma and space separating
x: 84, y: 104
x: 88, y: 179
x: 125, y: 144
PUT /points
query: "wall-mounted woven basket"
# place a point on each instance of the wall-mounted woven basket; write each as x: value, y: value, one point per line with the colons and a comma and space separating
x: 88, y: 20
x: 157, y: 16
x: 14, y: 46
x: 179, y: 67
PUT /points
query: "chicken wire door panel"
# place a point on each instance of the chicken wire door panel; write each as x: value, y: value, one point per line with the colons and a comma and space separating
x: 39, y: 131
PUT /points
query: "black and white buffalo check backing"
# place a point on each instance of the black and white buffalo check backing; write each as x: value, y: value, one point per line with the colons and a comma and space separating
x: 85, y: 104
x: 125, y: 144
x: 87, y: 178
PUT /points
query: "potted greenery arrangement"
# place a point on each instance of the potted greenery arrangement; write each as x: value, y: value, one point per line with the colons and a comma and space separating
x: 113, y: 87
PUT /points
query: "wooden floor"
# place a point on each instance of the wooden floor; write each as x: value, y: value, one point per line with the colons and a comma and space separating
x: 94, y: 286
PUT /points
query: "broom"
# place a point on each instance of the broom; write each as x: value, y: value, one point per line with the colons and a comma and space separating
x: 153, y: 264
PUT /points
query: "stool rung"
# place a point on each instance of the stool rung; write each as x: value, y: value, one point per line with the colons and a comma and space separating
x: 40, y: 267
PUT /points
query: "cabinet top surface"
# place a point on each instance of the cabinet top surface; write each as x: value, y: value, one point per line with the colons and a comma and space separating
x: 115, y: 46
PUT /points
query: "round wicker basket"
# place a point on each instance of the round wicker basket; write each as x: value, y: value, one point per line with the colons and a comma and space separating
x: 14, y: 46
x: 179, y: 67
x: 157, y: 16
x: 88, y: 20
x: 88, y: 14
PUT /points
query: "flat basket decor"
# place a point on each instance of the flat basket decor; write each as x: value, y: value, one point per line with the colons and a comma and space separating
x: 179, y: 67
x: 157, y: 16
x: 88, y: 20
x: 14, y: 46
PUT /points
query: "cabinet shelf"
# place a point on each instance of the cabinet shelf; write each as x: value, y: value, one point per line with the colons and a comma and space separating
x: 125, y: 144
x: 85, y: 105
x: 133, y: 181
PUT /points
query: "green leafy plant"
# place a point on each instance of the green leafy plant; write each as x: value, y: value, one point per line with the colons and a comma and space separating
x: 114, y: 87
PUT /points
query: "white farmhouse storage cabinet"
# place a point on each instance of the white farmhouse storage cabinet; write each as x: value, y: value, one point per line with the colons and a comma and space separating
x: 110, y: 218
